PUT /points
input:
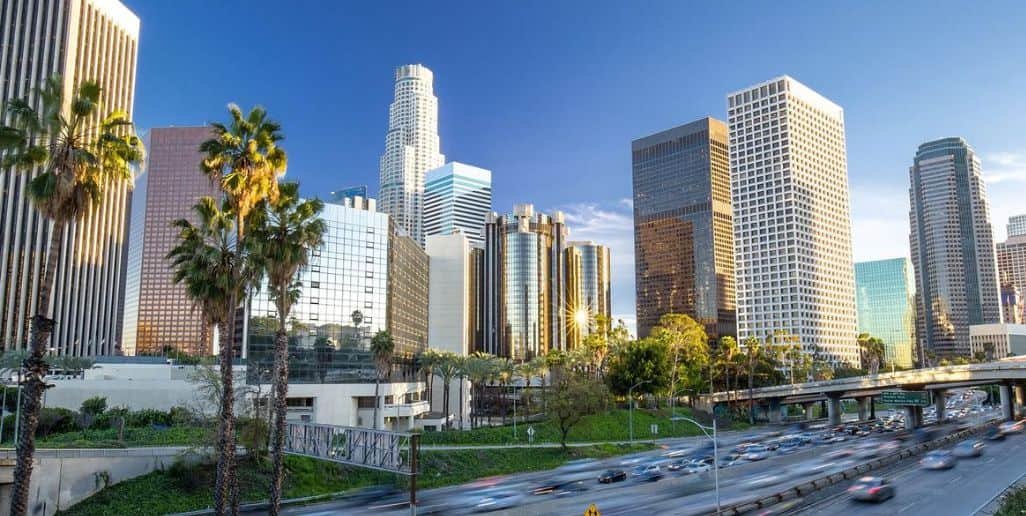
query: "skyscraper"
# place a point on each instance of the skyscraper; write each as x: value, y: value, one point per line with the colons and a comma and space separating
x: 408, y: 285
x: 524, y: 283
x: 952, y: 248
x: 81, y: 40
x: 1016, y: 225
x: 1011, y: 260
x: 594, y: 297
x: 340, y: 195
x: 158, y: 313
x: 683, y: 241
x: 885, y: 290
x: 457, y: 197
x: 411, y: 149
x: 792, y: 228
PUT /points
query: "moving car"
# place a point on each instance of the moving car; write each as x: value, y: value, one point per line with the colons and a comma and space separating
x: 1011, y: 427
x: 650, y: 473
x: 496, y: 500
x: 612, y: 475
x: 969, y: 448
x: 697, y: 467
x: 560, y: 487
x: 757, y: 452
x: 938, y: 459
x: 995, y: 434
x: 871, y: 489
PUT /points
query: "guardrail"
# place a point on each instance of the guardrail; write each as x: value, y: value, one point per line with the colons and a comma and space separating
x: 848, y: 474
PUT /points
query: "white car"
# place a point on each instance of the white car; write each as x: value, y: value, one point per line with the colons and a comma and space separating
x: 757, y: 452
x: 696, y: 467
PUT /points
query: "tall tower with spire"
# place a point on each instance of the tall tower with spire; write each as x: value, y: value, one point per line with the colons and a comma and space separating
x: 411, y: 149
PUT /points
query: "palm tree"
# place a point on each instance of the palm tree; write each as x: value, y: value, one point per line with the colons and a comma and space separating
x: 289, y: 231
x: 382, y: 348
x: 504, y: 373
x: 427, y: 361
x: 461, y: 373
x: 447, y: 369
x: 245, y: 160
x: 753, y: 350
x: 72, y: 155
x: 727, y: 351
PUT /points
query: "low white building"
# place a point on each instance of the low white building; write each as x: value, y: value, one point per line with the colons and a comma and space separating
x: 997, y: 341
x: 151, y: 383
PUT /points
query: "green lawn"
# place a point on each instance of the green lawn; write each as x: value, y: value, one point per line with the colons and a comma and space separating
x: 189, y: 488
x: 609, y: 426
x: 108, y: 438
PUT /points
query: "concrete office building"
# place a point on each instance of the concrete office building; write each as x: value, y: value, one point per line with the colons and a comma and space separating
x: 1016, y: 226
x: 1011, y: 262
x: 792, y: 224
x: 592, y: 301
x: 407, y: 318
x: 453, y: 323
x: 524, y: 283
x: 457, y: 197
x: 997, y: 341
x: 158, y: 314
x: 411, y: 149
x: 76, y: 39
x: 683, y: 240
x: 952, y: 249
x: 885, y: 293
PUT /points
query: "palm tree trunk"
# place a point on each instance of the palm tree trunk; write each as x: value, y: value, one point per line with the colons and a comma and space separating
x: 751, y: 392
x: 224, y: 488
x: 445, y: 403
x: 281, y: 386
x: 35, y: 368
x: 377, y: 399
x: 461, y: 403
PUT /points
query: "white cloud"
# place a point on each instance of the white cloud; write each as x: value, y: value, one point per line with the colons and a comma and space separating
x: 1004, y: 166
x: 611, y: 225
x: 880, y: 225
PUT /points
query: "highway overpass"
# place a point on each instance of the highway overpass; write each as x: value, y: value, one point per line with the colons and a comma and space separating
x: 1009, y: 375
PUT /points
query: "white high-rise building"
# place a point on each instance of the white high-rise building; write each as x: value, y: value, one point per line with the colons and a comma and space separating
x: 411, y: 149
x: 80, y: 40
x: 792, y: 226
x: 457, y: 198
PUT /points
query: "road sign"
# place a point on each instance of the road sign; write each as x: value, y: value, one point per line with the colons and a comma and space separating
x: 654, y: 429
x: 913, y: 398
x: 530, y: 434
x: 592, y: 511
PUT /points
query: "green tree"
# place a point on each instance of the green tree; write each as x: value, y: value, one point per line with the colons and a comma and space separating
x: 73, y: 152
x: 646, y: 361
x: 244, y: 158
x: 94, y: 406
x: 382, y: 347
x: 288, y: 230
x: 689, y: 351
x: 754, y: 354
x: 871, y: 351
x: 571, y: 398
x: 726, y: 353
x: 427, y: 360
x: 447, y: 368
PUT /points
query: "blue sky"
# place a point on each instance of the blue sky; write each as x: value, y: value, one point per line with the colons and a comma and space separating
x: 549, y: 94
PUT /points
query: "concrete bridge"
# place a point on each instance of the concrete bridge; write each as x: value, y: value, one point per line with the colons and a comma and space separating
x: 1009, y: 375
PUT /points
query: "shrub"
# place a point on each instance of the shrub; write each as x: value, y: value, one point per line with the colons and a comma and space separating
x: 147, y: 417
x: 110, y: 418
x: 183, y: 416
x: 94, y: 406
x: 56, y: 420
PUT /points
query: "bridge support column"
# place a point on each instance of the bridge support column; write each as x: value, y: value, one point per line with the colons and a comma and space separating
x: 773, y: 411
x: 834, y: 408
x: 865, y: 406
x: 1007, y: 412
x: 808, y: 406
x: 913, y: 417
x: 872, y: 407
x: 940, y: 402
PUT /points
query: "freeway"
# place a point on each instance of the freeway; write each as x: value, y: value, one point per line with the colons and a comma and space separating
x: 678, y: 493
x: 962, y: 490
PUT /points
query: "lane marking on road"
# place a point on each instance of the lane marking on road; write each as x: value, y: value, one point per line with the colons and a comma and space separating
x: 905, y: 508
x: 956, y: 479
x: 988, y: 461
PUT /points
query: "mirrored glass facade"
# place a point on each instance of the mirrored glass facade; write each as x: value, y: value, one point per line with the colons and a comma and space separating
x: 683, y: 240
x: 1011, y: 259
x: 885, y: 296
x: 524, y: 283
x: 343, y: 303
x: 592, y: 300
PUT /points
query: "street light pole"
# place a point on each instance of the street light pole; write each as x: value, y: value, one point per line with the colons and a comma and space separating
x: 630, y: 408
x: 716, y: 453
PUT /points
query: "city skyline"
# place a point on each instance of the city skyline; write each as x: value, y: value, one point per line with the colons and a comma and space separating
x: 521, y: 124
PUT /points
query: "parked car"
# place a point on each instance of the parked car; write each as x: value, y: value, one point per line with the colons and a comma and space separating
x: 871, y: 489
x: 612, y: 475
x: 938, y: 459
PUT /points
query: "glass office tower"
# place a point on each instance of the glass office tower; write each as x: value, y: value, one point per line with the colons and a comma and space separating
x: 683, y: 240
x: 885, y: 298
x: 593, y: 301
x: 343, y: 302
x: 952, y: 248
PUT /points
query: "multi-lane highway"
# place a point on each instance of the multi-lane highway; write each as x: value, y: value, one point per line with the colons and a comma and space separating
x: 969, y: 485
